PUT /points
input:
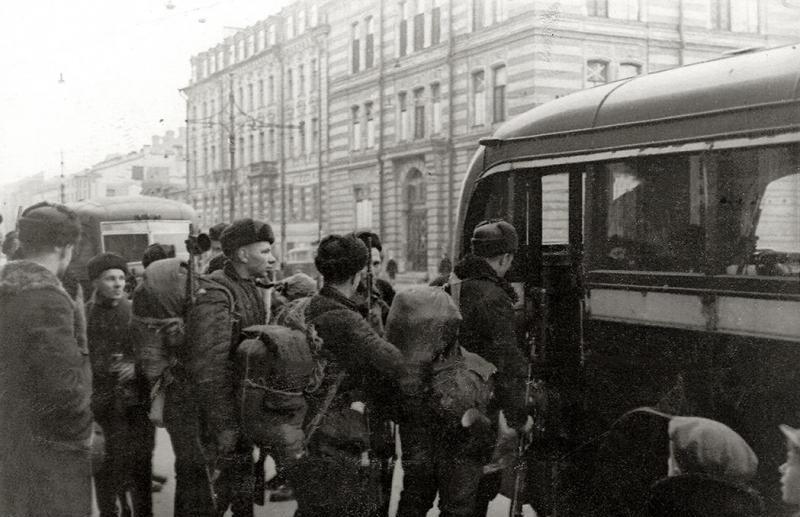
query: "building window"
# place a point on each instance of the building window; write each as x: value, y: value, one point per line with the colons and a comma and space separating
x: 419, y: 26
x: 313, y: 85
x: 355, y: 144
x: 369, y: 43
x: 436, y: 23
x: 363, y: 208
x: 623, y: 9
x: 478, y: 14
x: 271, y: 35
x: 272, y: 144
x: 370, y: 116
x: 205, y: 160
x: 742, y: 15
x: 301, y: 80
x: 314, y: 16
x: 436, y: 108
x: 402, y: 101
x: 291, y: 151
x: 314, y: 134
x: 355, y: 48
x: 597, y: 8
x: 250, y: 98
x: 240, y: 152
x: 628, y: 70
x: 261, y: 156
x: 301, y: 21
x: 419, y: 113
x: 271, y: 85
x: 290, y: 27
x: 213, y: 157
x: 290, y: 202
x: 499, y: 94
x: 251, y: 149
x: 302, y: 137
x: 212, y: 110
x: 261, y: 92
x: 240, y: 97
x: 596, y: 72
x: 478, y: 98
x: 240, y: 50
x: 261, y: 40
x: 290, y: 83
x: 250, y: 49
x: 402, y: 29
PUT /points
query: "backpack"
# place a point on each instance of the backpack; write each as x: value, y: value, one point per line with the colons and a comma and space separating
x: 462, y: 380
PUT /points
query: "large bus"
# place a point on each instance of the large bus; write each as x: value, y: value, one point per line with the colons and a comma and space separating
x: 660, y: 225
x: 127, y: 225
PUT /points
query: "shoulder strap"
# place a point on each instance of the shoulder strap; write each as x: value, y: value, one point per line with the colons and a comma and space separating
x: 324, y: 407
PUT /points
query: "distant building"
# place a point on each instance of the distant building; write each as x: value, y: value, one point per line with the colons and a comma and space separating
x: 157, y: 169
x: 365, y: 113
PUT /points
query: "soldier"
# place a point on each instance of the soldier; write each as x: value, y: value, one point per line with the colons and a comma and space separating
x: 486, y: 302
x: 382, y: 435
x: 361, y: 366
x: 216, y: 258
x: 121, y: 397
x: 214, y: 326
x: 45, y: 375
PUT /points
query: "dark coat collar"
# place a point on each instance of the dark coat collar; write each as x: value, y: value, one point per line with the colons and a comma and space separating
x: 23, y: 275
x: 472, y: 267
x: 338, y: 297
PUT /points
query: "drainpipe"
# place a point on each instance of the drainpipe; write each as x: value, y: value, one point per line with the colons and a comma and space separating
x: 381, y: 172
x: 451, y: 150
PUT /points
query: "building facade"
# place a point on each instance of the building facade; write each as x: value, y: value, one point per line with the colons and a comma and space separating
x: 374, y: 108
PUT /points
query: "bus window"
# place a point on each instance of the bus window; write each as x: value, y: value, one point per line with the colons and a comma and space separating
x: 757, y: 211
x: 131, y: 246
x: 178, y: 240
x: 491, y: 200
x: 555, y: 209
x: 646, y: 214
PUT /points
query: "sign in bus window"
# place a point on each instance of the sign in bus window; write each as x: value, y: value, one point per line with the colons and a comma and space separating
x: 131, y: 246
x: 647, y: 214
x: 757, y: 206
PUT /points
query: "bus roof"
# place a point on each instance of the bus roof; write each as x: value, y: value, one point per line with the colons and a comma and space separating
x: 741, y: 96
x: 126, y: 208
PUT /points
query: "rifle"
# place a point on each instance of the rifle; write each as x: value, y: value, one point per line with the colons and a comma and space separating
x: 196, y: 244
x: 536, y: 338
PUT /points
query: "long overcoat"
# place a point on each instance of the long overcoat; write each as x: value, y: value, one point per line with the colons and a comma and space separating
x: 45, y: 396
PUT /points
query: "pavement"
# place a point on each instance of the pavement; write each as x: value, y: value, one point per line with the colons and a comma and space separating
x: 163, y: 461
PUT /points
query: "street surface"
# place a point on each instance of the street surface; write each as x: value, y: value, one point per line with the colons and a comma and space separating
x: 163, y: 461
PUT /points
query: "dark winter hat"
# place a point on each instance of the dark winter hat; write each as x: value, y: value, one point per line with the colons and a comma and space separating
x: 494, y: 237
x: 105, y: 261
x: 370, y: 239
x: 340, y: 256
x: 156, y: 252
x: 46, y: 223
x: 243, y: 232
x: 702, y: 446
x: 215, y: 232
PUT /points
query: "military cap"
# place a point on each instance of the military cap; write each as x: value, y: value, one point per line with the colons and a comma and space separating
x: 341, y: 256
x: 215, y: 232
x: 370, y: 239
x: 494, y: 237
x: 243, y: 232
x: 48, y: 224
x: 104, y: 262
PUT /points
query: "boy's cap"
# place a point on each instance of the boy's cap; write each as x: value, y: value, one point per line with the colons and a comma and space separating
x: 243, y: 232
x: 494, y: 237
x: 104, y: 262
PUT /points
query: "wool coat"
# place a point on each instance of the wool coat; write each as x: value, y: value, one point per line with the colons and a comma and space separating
x: 45, y: 396
x: 486, y: 302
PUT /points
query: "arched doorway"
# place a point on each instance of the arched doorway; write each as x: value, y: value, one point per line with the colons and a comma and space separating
x: 416, y: 221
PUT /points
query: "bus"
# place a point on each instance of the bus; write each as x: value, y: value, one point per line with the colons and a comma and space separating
x: 659, y: 221
x: 127, y: 225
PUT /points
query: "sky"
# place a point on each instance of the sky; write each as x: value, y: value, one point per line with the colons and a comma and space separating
x: 122, y: 63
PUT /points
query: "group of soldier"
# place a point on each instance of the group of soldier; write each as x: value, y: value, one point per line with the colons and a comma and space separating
x: 71, y: 377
